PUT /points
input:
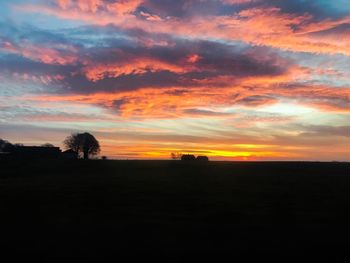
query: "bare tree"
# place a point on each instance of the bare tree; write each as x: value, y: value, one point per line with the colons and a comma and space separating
x: 83, y: 143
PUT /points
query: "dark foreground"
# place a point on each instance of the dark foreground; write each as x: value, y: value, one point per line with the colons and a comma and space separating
x: 170, y: 211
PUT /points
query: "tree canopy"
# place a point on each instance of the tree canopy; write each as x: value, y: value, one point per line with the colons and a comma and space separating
x: 83, y: 143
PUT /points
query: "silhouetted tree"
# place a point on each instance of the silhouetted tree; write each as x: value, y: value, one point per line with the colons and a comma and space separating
x: 84, y: 143
x: 47, y: 145
x: 176, y: 155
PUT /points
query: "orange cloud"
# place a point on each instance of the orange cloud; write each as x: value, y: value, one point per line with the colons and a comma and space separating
x: 134, y: 66
x: 177, y: 102
x: 125, y: 7
x: 193, y: 58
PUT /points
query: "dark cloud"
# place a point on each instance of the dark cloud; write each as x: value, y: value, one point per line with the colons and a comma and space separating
x: 14, y: 64
x: 319, y: 9
x: 185, y: 8
x: 257, y: 100
x: 340, y: 31
x: 165, y: 8
x: 323, y: 131
x: 161, y: 79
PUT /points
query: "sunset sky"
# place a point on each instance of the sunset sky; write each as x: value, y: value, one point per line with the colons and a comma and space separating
x: 231, y: 79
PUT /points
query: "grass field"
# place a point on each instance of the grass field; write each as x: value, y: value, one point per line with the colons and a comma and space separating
x: 173, y: 211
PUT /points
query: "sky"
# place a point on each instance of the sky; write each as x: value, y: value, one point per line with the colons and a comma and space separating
x: 230, y: 79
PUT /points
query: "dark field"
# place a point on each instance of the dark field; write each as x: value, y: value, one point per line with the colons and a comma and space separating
x: 174, y: 211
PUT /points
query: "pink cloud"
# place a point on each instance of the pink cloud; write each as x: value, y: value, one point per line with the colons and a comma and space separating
x: 63, y: 3
x: 41, y: 53
x: 93, y: 6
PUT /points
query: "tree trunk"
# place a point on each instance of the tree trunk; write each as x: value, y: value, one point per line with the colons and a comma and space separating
x: 86, y: 155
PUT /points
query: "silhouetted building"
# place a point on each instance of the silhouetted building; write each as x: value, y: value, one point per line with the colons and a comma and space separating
x: 29, y: 152
x: 70, y: 154
x: 202, y: 158
x: 188, y: 157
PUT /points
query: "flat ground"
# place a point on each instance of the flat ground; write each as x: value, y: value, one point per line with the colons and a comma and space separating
x: 173, y: 211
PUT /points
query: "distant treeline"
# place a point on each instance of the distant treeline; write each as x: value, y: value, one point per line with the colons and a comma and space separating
x: 188, y: 157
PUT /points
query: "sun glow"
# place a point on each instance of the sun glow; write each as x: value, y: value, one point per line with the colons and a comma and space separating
x: 287, y: 109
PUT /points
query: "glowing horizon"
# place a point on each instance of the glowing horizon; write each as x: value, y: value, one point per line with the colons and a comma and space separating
x: 230, y: 79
